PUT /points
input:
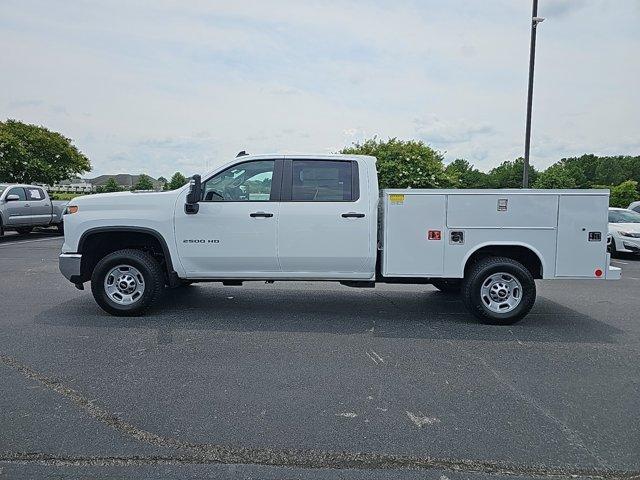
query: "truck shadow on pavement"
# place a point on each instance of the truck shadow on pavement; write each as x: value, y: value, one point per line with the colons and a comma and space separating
x: 417, y: 314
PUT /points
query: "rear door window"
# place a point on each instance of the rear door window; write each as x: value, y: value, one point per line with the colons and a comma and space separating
x: 35, y: 194
x: 324, y: 181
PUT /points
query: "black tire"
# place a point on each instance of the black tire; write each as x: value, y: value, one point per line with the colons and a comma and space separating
x: 480, y: 272
x: 60, y: 227
x: 447, y: 285
x: 152, y: 274
x: 24, y: 230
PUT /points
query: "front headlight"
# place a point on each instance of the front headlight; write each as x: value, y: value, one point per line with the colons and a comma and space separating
x: 71, y: 209
x: 630, y: 234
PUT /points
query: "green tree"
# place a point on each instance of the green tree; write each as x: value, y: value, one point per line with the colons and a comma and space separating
x: 163, y: 182
x: 556, y: 176
x: 144, y: 183
x: 111, y: 186
x: 590, y: 170
x: 625, y: 193
x: 33, y: 154
x: 509, y: 174
x: 404, y: 164
x: 177, y: 180
x: 465, y: 175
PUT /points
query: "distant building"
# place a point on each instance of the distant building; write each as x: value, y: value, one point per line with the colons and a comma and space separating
x: 88, y: 185
x: 73, y: 185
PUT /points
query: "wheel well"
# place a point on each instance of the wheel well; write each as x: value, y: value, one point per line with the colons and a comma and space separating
x: 519, y: 253
x: 96, y: 245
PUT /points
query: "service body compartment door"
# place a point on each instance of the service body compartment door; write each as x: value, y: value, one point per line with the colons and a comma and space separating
x: 414, y: 235
x: 582, y: 235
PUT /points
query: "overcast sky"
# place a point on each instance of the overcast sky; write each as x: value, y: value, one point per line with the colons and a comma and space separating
x: 159, y: 86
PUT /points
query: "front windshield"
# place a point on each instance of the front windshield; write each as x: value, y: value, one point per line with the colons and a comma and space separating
x: 623, y: 216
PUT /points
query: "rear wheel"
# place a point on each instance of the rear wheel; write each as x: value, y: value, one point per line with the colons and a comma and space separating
x: 499, y: 291
x: 24, y: 230
x: 447, y: 285
x: 127, y: 282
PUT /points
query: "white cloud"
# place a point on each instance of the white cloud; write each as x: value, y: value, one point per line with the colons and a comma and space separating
x: 156, y: 86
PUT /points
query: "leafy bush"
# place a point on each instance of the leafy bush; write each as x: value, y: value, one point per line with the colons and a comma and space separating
x: 404, y: 164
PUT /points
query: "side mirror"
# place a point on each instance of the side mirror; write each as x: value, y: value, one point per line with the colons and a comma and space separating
x: 194, y: 195
x: 12, y: 198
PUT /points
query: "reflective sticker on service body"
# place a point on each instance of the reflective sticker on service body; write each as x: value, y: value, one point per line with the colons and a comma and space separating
x: 396, y: 198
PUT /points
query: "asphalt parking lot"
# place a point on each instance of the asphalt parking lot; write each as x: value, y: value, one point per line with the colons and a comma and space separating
x: 306, y: 380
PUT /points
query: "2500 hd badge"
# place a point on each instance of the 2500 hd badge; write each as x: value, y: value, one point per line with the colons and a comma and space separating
x: 200, y: 240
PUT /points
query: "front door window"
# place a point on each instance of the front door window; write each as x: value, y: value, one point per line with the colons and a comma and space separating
x: 246, y: 182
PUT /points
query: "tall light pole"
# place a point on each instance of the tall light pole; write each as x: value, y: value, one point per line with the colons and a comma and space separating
x: 535, y: 20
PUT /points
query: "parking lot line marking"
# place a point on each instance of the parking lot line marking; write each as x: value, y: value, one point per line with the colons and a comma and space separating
x: 4, y: 244
x: 194, y: 453
x: 371, y: 357
x: 375, y: 358
x: 380, y: 359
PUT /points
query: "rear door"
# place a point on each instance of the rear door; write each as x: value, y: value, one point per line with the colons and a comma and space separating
x: 40, y: 206
x: 18, y: 211
x: 582, y: 235
x: 324, y: 229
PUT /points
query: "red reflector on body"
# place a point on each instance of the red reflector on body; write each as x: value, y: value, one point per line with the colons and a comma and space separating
x: 598, y: 272
x: 434, y: 235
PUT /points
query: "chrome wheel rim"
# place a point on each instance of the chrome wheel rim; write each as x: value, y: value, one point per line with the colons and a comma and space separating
x: 124, y: 285
x: 501, y: 292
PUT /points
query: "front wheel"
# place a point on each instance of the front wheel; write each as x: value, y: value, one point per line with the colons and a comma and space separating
x: 499, y: 291
x: 127, y: 282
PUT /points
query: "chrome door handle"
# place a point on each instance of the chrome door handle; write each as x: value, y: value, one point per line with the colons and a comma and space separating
x: 352, y: 215
x: 261, y: 214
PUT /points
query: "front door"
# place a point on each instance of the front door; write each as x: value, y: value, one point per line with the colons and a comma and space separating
x: 233, y: 235
x: 325, y: 228
x: 18, y: 211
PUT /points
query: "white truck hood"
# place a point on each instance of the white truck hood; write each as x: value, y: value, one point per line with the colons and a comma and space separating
x: 118, y: 198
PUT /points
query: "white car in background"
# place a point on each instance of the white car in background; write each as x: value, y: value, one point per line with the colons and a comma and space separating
x: 624, y: 231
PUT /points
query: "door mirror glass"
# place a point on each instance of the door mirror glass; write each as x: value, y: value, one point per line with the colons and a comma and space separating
x: 12, y: 198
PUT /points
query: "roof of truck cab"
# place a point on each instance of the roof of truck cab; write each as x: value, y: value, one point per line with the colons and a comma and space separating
x: 493, y: 191
x: 295, y: 156
x: 306, y: 156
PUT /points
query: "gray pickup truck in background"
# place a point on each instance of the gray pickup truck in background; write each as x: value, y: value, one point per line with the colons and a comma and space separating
x: 23, y: 207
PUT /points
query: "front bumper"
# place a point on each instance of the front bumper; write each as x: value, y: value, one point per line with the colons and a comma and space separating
x: 628, y: 244
x: 69, y: 264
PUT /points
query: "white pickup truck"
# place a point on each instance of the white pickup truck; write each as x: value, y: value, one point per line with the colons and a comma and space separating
x: 322, y: 217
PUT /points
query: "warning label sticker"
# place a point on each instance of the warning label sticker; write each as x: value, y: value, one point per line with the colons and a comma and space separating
x: 397, y: 198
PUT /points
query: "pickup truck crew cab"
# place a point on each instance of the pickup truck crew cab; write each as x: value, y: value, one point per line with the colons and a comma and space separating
x: 321, y: 217
x: 23, y: 207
